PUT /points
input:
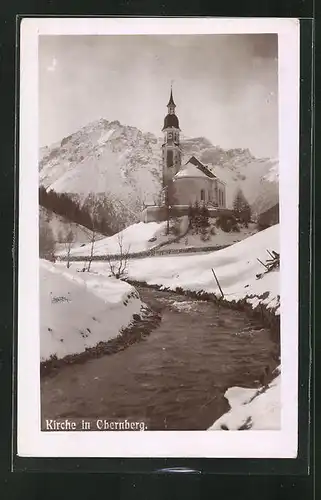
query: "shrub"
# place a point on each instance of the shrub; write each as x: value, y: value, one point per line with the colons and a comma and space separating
x: 227, y: 222
x: 175, y: 226
x: 205, y: 235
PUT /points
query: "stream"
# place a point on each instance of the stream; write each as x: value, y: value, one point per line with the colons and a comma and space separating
x: 176, y: 377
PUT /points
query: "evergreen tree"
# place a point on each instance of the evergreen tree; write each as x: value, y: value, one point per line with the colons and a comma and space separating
x: 241, y: 207
x: 204, y: 216
x: 197, y: 216
x: 191, y: 215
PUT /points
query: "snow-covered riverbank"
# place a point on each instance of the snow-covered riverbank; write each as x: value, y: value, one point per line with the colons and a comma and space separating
x: 78, y: 310
x: 256, y: 409
x: 236, y: 268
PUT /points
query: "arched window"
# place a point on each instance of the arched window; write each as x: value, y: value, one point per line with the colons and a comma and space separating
x: 202, y: 195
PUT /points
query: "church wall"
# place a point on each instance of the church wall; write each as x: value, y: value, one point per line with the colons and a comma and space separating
x: 190, y: 190
x: 158, y: 214
x: 221, y: 194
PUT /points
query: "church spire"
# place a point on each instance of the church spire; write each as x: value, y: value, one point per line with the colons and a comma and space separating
x: 171, y: 100
x: 171, y: 119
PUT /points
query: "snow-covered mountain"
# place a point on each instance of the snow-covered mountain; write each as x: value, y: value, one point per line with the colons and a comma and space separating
x: 268, y: 191
x: 124, y: 164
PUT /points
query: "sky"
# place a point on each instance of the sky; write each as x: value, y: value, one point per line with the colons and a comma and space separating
x: 225, y: 86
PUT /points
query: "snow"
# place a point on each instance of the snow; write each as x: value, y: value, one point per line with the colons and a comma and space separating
x: 134, y: 239
x: 190, y: 170
x: 125, y: 164
x: 79, y: 310
x: 260, y: 409
x: 106, y: 158
x: 273, y: 174
x: 60, y: 227
x: 219, y: 239
x: 236, y: 268
x: 104, y: 138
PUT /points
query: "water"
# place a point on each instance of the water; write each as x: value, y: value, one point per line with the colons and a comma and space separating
x: 175, y: 378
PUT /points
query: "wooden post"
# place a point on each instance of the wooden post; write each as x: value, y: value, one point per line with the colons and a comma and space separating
x: 268, y: 251
x: 167, y: 209
x: 218, y: 284
x: 266, y: 267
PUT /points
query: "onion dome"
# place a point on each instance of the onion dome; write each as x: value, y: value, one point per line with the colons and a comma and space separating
x: 171, y: 121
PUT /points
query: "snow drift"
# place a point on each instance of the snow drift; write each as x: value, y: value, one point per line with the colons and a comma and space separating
x: 78, y: 310
x: 252, y: 408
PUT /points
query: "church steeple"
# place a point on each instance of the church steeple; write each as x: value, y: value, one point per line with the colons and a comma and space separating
x: 171, y: 100
x: 171, y: 147
x: 171, y: 119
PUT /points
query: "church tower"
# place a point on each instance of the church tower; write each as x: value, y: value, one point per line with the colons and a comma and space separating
x: 171, y: 151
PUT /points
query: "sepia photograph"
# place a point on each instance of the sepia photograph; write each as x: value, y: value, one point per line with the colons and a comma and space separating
x: 164, y: 199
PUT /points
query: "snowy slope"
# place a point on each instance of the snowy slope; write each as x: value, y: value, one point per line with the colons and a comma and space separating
x: 134, y: 238
x: 236, y: 268
x: 124, y: 164
x: 60, y: 227
x: 78, y: 310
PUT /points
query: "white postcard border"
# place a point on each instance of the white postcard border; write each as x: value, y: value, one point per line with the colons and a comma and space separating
x: 233, y: 444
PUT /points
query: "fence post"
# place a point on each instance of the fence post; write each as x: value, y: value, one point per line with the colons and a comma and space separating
x: 218, y: 284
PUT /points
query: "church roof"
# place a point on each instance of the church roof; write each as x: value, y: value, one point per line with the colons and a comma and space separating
x: 171, y: 121
x: 189, y: 170
x: 199, y: 165
x: 194, y: 168
x: 171, y: 100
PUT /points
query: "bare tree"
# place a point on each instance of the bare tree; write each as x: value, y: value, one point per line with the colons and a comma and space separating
x: 93, y: 234
x: 93, y: 239
x: 46, y: 242
x: 118, y: 267
x: 68, y: 239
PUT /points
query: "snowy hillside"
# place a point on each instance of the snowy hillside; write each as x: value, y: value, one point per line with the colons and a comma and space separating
x: 142, y: 237
x: 124, y: 164
x: 60, y: 227
x: 236, y: 267
x: 78, y: 310
x: 135, y: 238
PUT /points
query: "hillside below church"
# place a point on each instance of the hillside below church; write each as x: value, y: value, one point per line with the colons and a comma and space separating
x: 123, y: 164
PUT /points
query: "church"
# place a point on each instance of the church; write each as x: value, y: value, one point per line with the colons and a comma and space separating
x: 183, y: 184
